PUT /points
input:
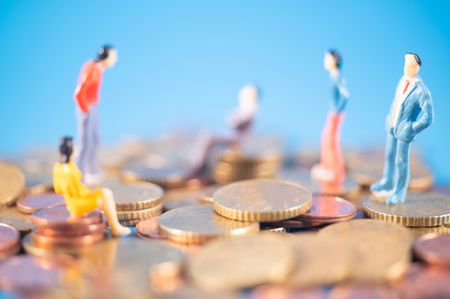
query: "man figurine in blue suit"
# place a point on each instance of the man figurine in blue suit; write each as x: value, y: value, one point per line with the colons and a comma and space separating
x: 411, y: 113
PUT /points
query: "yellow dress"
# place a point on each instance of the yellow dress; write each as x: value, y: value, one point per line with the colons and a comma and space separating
x: 79, y: 198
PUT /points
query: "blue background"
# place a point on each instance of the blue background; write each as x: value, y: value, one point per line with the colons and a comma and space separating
x: 183, y: 62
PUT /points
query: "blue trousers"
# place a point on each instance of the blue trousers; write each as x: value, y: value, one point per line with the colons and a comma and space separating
x: 88, y: 138
x: 396, y: 168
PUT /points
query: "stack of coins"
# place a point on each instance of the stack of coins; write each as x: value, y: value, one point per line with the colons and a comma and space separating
x: 253, y: 157
x: 136, y: 201
x: 56, y: 228
x: 9, y: 240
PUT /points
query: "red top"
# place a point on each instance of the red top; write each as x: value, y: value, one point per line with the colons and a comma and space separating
x: 86, y: 93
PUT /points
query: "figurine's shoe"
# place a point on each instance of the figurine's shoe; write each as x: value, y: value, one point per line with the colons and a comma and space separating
x: 396, y: 198
x: 320, y: 173
x: 381, y: 187
x: 120, y: 231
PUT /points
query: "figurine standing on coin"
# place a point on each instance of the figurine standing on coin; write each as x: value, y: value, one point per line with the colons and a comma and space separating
x: 87, y: 97
x: 411, y: 113
x: 332, y: 168
x: 79, y: 199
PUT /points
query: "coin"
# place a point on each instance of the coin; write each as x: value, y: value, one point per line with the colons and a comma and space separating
x: 9, y: 236
x: 60, y: 216
x: 148, y: 228
x: 326, y: 209
x: 47, y: 241
x: 134, y: 196
x: 419, y: 209
x: 33, y: 203
x: 80, y: 230
x: 420, y: 231
x: 282, y: 292
x: 21, y: 224
x: 292, y: 224
x: 199, y: 223
x: 380, y: 250
x: 12, y: 183
x: 263, y: 200
x: 140, y: 214
x: 424, y: 282
x: 235, y: 263
x: 434, y: 249
x: 319, y: 260
x: 178, y: 198
x: 358, y: 291
x: 60, y: 251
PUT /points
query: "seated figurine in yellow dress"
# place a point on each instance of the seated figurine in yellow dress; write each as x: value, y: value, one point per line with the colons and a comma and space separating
x: 79, y: 199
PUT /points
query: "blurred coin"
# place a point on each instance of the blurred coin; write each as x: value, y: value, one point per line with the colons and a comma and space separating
x: 328, y: 209
x: 60, y: 251
x: 47, y: 241
x: 178, y: 198
x: 60, y: 216
x: 283, y: 292
x: 33, y: 203
x: 358, y: 291
x: 434, y: 249
x: 419, y: 209
x: 140, y: 214
x: 12, y: 183
x: 9, y: 237
x: 263, y: 200
x: 134, y: 196
x: 292, y: 224
x: 420, y: 231
x: 21, y: 224
x: 148, y: 228
x: 235, y: 263
x: 199, y: 223
x: 73, y: 232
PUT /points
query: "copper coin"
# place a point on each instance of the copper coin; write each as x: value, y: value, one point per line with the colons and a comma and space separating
x: 434, y: 248
x: 65, y: 241
x: 9, y: 236
x: 293, y: 224
x: 424, y: 282
x: 4, y: 254
x: 36, y: 202
x: 282, y: 292
x: 28, y: 273
x: 60, y: 216
x: 329, y: 208
x: 96, y: 228
x: 148, y: 228
x: 355, y: 291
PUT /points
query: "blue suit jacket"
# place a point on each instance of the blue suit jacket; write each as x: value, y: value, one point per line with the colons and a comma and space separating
x: 339, y: 94
x: 416, y: 113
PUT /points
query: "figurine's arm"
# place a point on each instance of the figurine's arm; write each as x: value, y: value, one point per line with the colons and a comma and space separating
x: 88, y: 82
x: 341, y: 97
x: 426, y: 114
x: 80, y: 190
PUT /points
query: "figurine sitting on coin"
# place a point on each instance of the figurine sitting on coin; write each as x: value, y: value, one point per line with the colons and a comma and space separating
x: 411, y: 113
x: 79, y: 199
x: 332, y: 168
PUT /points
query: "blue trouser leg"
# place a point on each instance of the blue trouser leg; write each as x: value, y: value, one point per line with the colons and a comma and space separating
x: 93, y: 140
x: 402, y: 166
x: 389, y: 173
x: 83, y: 136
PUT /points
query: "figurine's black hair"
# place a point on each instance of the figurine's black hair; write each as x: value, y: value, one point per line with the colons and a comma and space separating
x: 416, y: 57
x: 337, y: 57
x: 65, y: 149
x: 103, y: 52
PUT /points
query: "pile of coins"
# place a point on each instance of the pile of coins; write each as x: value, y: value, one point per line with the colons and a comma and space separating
x: 135, y: 201
x: 56, y: 228
x: 255, y: 157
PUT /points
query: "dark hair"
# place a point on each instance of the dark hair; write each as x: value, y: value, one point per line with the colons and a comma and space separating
x: 337, y: 57
x: 65, y: 149
x: 416, y: 57
x: 103, y: 52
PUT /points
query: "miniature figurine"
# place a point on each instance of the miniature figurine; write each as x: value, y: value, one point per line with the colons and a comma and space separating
x: 411, y: 112
x: 332, y: 168
x: 80, y: 200
x: 87, y: 97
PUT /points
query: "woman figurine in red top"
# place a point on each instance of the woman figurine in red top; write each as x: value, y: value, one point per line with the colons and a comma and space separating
x: 87, y: 97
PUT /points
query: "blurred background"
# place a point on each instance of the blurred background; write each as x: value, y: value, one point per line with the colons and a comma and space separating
x: 182, y: 63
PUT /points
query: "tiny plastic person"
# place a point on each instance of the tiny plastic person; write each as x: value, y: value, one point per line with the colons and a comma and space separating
x: 80, y: 200
x: 87, y: 97
x: 331, y: 169
x: 242, y: 119
x: 411, y: 112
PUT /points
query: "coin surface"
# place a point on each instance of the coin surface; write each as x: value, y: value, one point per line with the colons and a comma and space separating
x: 235, y: 263
x: 283, y: 292
x: 148, y: 228
x: 22, y: 224
x: 34, y: 249
x: 434, y: 249
x: 329, y: 209
x: 380, y: 250
x: 74, y: 231
x: 419, y: 209
x: 60, y: 216
x: 420, y: 231
x: 12, y: 183
x: 33, y: 203
x: 9, y: 237
x: 263, y: 200
x: 199, y: 223
x: 134, y: 196
x: 358, y: 291
x: 140, y: 214
x: 48, y: 241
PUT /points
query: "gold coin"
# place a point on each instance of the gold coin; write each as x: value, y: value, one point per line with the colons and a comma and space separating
x: 262, y: 200
x: 419, y: 209
x: 134, y: 196
x: 199, y: 223
x: 140, y: 214
x: 12, y: 183
x: 419, y: 231
x: 380, y: 251
x: 235, y: 263
x: 319, y: 260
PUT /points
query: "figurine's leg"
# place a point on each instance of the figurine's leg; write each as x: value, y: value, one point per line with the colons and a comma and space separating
x: 83, y: 135
x: 386, y: 183
x: 403, y: 175
x: 338, y: 158
x: 109, y: 208
x: 94, y: 141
